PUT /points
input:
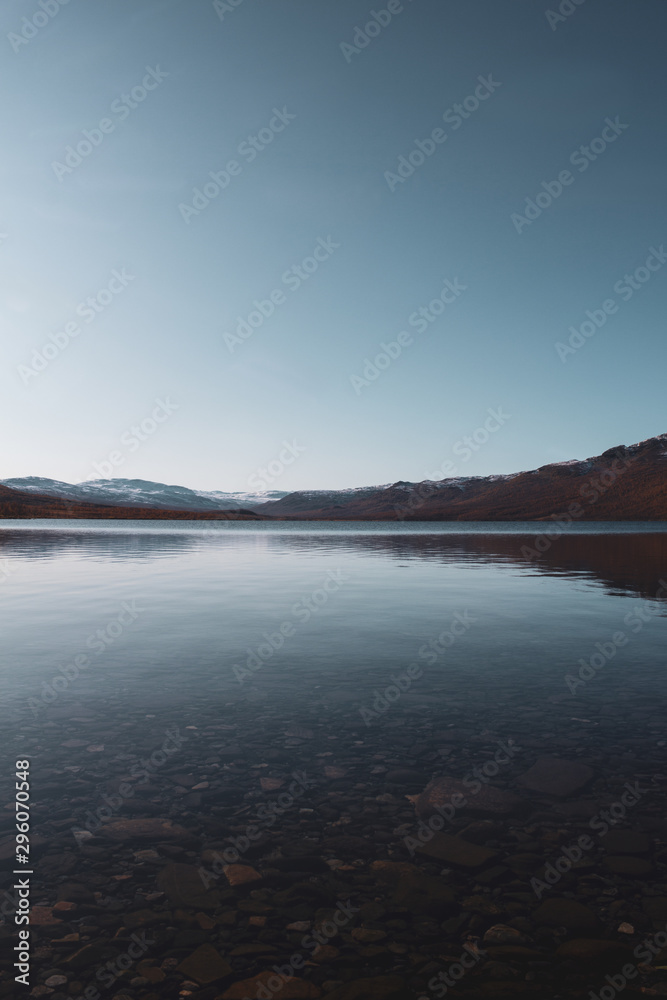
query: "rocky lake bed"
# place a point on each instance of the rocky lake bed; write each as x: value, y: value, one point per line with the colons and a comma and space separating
x: 233, y: 850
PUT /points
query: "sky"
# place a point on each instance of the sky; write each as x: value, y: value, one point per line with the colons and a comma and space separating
x: 216, y: 217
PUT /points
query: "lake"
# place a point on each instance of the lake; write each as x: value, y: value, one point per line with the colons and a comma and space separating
x: 368, y: 658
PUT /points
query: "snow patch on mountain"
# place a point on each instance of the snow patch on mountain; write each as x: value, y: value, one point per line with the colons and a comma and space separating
x: 142, y: 492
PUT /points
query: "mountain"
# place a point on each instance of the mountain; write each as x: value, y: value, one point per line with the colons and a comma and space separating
x: 627, y: 483
x: 140, y: 492
x: 623, y: 484
x: 20, y: 504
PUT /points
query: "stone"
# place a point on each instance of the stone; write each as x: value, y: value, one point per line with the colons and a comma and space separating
x: 334, y: 773
x: 367, y: 935
x: 626, y: 842
x: 58, y: 864
x: 299, y: 732
x: 553, y: 776
x: 205, y: 965
x: 404, y: 776
x: 456, y: 851
x: 349, y: 847
x: 324, y: 953
x: 625, y: 864
x: 143, y: 918
x: 253, y: 949
x: 373, y: 988
x: 303, y: 863
x: 424, y: 894
x: 524, y: 864
x: 655, y: 907
x: 74, y: 892
x: 513, y: 952
x: 271, y: 784
x: 490, y: 876
x: 184, y: 887
x: 488, y: 801
x: 294, y: 989
x: 63, y: 907
x: 43, y: 916
x: 561, y: 912
x: 390, y: 870
x: 588, y: 949
x: 240, y: 874
x: 483, y: 905
x: 152, y: 973
x: 94, y: 955
x: 184, y: 780
x: 142, y: 829
x: 502, y: 934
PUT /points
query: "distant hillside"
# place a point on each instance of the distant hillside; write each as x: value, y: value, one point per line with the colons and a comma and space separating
x: 141, y: 492
x: 623, y: 484
x: 19, y: 505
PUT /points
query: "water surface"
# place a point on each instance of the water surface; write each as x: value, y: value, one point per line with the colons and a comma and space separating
x: 170, y: 612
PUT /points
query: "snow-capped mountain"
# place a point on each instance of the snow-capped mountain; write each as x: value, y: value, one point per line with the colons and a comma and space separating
x: 142, y: 493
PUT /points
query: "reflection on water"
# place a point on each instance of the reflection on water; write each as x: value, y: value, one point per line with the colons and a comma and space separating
x: 324, y: 614
x: 622, y: 557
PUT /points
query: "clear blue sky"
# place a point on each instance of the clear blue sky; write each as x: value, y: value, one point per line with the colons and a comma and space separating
x: 207, y: 80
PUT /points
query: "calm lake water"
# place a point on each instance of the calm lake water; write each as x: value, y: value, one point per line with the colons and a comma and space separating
x: 283, y: 693
x: 166, y: 615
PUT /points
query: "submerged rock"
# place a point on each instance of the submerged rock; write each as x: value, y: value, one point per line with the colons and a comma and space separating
x: 567, y: 913
x: 441, y: 792
x: 552, y: 776
x: 205, y: 965
x: 274, y: 986
x: 456, y: 851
